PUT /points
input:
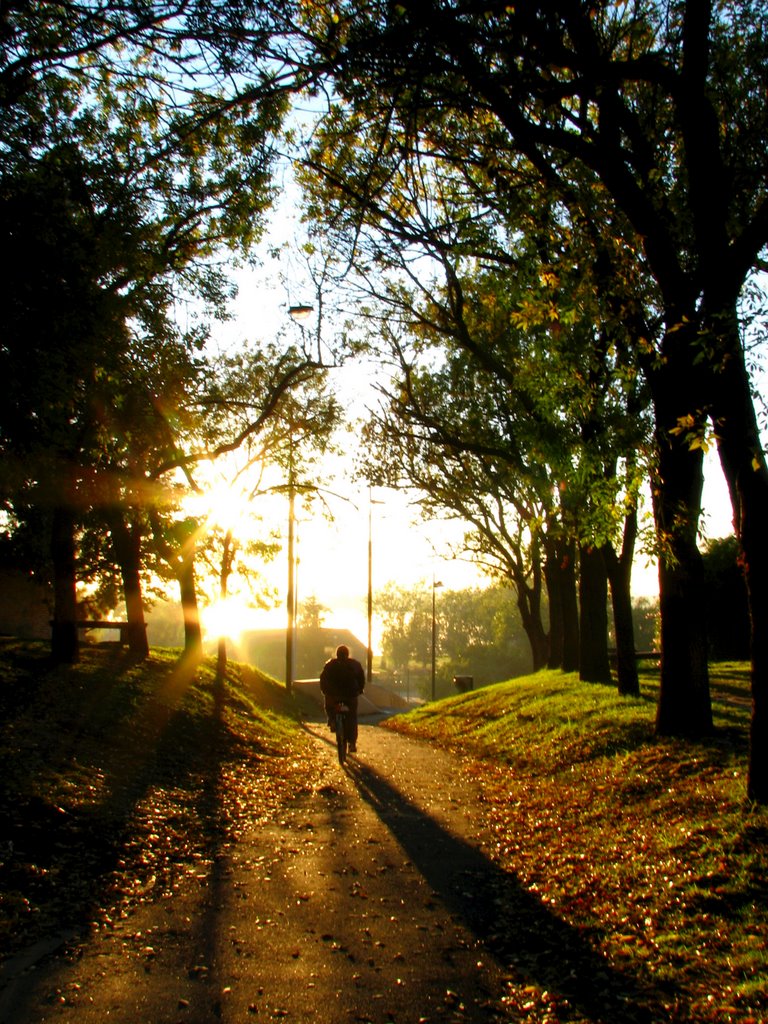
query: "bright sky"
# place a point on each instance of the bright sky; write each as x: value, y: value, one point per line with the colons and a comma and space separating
x: 332, y: 546
x: 406, y: 550
x: 333, y: 556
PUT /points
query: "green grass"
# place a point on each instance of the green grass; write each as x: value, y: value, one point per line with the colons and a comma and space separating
x: 116, y: 775
x: 646, y: 844
x: 538, y: 723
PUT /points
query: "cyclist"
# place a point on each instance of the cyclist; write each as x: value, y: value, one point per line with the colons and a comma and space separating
x: 343, y: 679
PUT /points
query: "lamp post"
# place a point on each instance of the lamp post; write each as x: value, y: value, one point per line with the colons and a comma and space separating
x: 435, y: 585
x: 369, y: 661
x: 291, y: 598
x: 297, y: 313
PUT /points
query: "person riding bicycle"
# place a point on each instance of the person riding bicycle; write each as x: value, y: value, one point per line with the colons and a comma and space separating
x: 343, y: 680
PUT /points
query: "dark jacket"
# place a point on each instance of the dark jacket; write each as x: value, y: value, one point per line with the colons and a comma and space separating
x: 342, y: 679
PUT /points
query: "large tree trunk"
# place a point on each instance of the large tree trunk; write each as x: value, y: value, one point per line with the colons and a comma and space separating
x: 594, y: 665
x: 619, y: 568
x: 744, y: 466
x: 553, y: 584
x: 530, y: 614
x: 529, y: 606
x: 570, y: 606
x: 126, y: 542
x: 684, y: 707
x: 560, y: 577
x: 65, y: 646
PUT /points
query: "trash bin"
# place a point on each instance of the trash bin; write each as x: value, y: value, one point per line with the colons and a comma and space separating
x: 464, y: 683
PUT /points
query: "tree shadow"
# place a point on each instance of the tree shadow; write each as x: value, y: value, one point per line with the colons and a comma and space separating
x: 515, y: 925
x: 68, y: 862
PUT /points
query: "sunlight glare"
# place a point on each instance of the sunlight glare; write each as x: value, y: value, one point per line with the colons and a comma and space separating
x: 225, y: 505
x: 229, y: 618
x: 224, y: 499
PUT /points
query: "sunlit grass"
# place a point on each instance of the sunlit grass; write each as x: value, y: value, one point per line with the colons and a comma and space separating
x: 647, y: 843
x: 541, y: 721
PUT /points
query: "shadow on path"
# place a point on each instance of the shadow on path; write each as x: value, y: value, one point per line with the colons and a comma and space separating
x: 521, y: 932
x: 95, y: 856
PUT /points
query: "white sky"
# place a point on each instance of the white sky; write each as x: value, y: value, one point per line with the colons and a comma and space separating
x: 333, y: 555
x: 406, y: 550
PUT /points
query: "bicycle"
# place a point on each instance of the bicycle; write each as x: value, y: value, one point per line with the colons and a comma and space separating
x: 342, y: 731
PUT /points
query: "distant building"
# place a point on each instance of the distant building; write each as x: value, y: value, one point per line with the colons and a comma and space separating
x: 265, y: 649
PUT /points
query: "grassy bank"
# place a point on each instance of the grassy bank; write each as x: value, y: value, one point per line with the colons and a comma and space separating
x: 117, y: 779
x: 646, y: 846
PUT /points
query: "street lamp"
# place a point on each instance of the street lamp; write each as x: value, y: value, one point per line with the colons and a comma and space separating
x: 435, y: 585
x: 300, y: 312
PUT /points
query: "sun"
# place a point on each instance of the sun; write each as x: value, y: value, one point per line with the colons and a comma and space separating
x: 221, y: 503
x: 229, y: 490
x: 229, y: 617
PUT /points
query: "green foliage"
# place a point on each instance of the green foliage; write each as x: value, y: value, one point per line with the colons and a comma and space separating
x: 406, y: 634
x: 481, y: 634
x: 478, y: 633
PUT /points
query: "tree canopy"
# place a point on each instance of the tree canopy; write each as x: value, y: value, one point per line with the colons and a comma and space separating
x: 138, y: 143
x: 646, y: 122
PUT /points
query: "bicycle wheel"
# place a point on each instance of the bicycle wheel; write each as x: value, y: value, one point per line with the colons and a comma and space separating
x: 341, y: 736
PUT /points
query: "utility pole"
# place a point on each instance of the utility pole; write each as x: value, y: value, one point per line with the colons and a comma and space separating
x: 291, y: 598
x: 434, y: 632
x: 298, y: 313
x: 369, y: 654
x: 369, y: 659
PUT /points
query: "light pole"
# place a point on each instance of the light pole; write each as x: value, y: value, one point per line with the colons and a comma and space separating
x: 297, y: 313
x: 291, y: 598
x: 369, y: 662
x: 435, y: 585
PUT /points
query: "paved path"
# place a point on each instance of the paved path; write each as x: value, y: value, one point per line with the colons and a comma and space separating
x: 366, y: 901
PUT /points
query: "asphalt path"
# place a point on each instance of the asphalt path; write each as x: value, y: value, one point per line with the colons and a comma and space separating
x: 368, y: 898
